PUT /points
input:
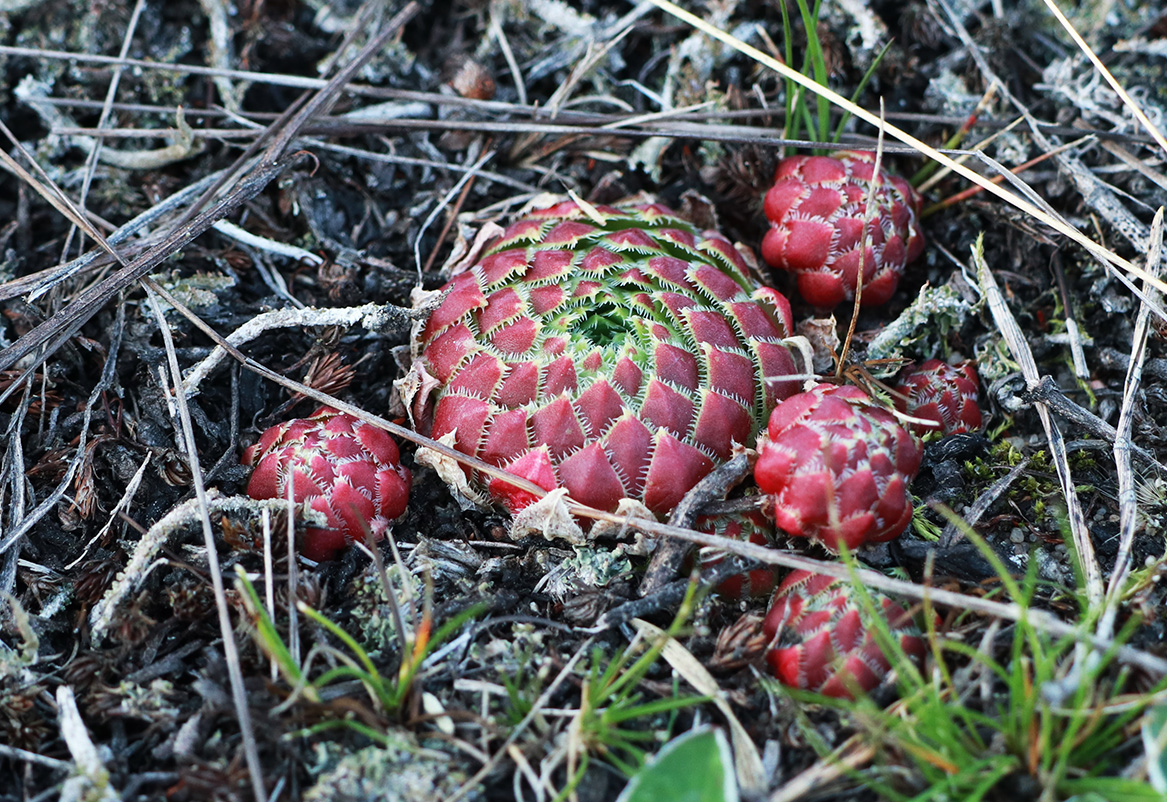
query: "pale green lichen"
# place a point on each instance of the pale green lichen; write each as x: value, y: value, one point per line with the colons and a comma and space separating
x: 923, y: 328
x: 587, y: 569
x: 146, y: 702
x: 197, y: 291
x: 377, y: 630
x: 401, y: 770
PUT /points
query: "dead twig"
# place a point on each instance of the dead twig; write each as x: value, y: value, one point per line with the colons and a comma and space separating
x: 46, y: 338
x: 668, y: 556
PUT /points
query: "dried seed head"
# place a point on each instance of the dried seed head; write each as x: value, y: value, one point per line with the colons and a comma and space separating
x: 619, y: 353
x: 817, y: 209
x: 821, y: 641
x: 946, y: 394
x: 469, y: 78
x: 838, y: 466
x: 338, y: 465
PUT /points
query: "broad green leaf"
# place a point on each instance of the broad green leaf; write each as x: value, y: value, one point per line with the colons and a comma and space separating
x: 694, y: 767
x: 1155, y: 744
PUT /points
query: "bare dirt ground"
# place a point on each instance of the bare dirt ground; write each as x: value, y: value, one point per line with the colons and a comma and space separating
x: 347, y: 178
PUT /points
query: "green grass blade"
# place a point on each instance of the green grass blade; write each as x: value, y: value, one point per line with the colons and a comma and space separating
x: 266, y: 633
x: 818, y: 63
x: 859, y: 90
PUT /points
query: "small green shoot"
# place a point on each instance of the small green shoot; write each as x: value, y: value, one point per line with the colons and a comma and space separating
x: 799, y: 116
x: 388, y: 691
x: 1035, y: 712
x: 610, y: 703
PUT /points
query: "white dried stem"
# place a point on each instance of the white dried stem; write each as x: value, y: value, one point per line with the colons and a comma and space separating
x: 179, y: 519
x: 230, y: 648
x: 220, y: 53
x: 1015, y: 340
x: 535, y: 713
x: 508, y: 55
x: 91, y: 784
x: 1130, y: 103
x: 374, y: 317
x: 1127, y: 500
x: 33, y: 92
x: 122, y: 505
x: 229, y: 229
x: 1039, y: 619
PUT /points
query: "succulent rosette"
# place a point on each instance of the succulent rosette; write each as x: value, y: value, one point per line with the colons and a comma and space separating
x: 820, y: 641
x: 340, y: 466
x: 817, y: 208
x: 942, y: 393
x: 619, y: 353
x: 838, y: 466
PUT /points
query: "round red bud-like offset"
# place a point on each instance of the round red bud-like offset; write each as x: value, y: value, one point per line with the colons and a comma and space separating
x: 820, y: 641
x: 618, y: 353
x: 943, y: 393
x: 838, y: 466
x: 341, y: 467
x: 817, y: 208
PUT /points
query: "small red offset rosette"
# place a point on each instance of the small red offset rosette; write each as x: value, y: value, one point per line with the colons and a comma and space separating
x: 338, y: 465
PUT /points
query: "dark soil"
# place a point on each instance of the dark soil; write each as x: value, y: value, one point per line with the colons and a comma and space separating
x: 90, y: 418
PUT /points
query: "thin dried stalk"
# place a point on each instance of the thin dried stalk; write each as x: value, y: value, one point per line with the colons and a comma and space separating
x: 256, y: 174
x: 226, y: 630
x: 1127, y: 499
x: 1015, y: 340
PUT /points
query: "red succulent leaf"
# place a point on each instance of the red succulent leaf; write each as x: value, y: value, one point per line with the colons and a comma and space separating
x: 753, y: 528
x: 820, y: 641
x: 942, y: 393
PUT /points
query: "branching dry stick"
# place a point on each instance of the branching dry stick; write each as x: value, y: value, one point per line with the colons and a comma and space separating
x: 1047, y: 392
x: 1013, y: 337
x: 39, y: 283
x: 46, y: 338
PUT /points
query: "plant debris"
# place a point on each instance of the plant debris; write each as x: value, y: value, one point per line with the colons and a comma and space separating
x: 221, y: 216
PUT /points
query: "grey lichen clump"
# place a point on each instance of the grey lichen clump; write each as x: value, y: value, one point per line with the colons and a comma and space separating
x: 401, y: 771
x: 924, y: 326
x: 372, y: 611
